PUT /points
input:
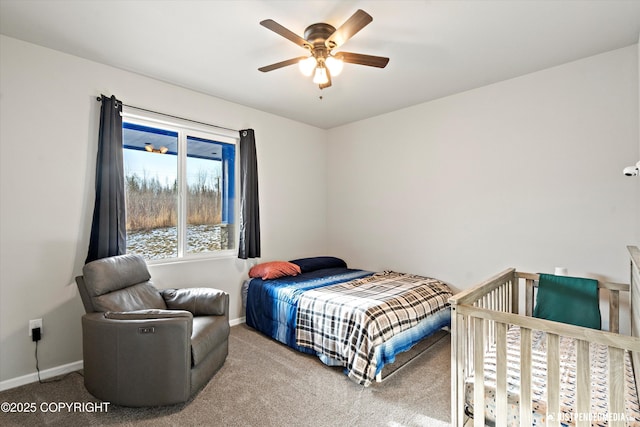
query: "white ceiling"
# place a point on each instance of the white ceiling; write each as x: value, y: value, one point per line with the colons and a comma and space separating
x: 436, y: 48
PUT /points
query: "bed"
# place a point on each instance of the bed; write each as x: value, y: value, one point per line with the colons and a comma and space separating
x: 357, y: 319
x: 511, y: 369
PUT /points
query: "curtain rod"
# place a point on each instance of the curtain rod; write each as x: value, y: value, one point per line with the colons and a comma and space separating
x: 172, y: 116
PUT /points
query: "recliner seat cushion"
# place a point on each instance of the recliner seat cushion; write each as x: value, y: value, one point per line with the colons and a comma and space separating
x: 151, y: 314
x: 208, y: 332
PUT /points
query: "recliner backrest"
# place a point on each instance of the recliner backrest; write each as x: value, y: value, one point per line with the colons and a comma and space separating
x: 119, y: 283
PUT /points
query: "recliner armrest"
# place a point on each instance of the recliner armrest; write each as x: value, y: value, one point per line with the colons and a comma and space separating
x: 197, y: 301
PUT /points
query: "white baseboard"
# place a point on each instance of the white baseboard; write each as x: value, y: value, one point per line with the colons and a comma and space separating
x: 65, y: 369
x: 237, y: 321
x: 46, y: 374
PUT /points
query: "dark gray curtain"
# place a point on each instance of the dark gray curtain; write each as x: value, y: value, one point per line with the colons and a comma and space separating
x: 108, y: 230
x: 249, y: 245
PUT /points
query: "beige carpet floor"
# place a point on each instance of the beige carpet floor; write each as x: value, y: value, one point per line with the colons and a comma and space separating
x: 264, y: 383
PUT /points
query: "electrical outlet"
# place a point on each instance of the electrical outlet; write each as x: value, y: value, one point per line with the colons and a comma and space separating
x: 35, y: 323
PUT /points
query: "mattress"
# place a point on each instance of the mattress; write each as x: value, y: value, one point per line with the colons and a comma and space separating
x: 599, y: 373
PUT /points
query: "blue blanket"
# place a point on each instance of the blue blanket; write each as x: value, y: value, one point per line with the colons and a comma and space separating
x: 272, y: 304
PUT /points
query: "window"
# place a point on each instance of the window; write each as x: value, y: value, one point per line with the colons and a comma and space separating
x: 179, y: 189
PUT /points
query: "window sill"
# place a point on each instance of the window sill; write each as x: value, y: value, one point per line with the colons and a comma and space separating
x: 204, y: 257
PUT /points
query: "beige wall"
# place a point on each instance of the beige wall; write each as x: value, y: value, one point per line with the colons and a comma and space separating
x: 524, y: 173
x: 48, y: 138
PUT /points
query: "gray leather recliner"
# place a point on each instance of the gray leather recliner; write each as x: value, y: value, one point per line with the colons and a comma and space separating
x: 143, y: 346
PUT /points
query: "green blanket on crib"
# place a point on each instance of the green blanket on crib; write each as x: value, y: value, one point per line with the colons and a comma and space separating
x: 565, y: 299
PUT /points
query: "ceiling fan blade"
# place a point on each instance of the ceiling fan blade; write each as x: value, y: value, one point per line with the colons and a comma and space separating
x: 281, y: 64
x: 355, y: 23
x: 284, y: 32
x: 358, y: 58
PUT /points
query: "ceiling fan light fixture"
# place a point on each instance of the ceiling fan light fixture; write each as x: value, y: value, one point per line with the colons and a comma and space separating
x: 334, y: 65
x: 151, y: 149
x: 320, y: 39
x: 320, y: 77
x: 307, y: 65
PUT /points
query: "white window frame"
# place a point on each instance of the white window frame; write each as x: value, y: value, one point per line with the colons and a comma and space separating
x: 186, y: 128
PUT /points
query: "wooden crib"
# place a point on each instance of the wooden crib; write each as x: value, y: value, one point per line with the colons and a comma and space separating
x: 481, y: 318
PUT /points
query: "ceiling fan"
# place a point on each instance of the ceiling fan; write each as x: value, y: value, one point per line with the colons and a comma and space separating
x: 321, y: 39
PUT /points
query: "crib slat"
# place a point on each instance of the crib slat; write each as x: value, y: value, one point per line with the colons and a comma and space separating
x: 515, y: 296
x: 553, y: 379
x: 505, y: 297
x: 614, y: 311
x: 470, y: 344
x: 501, y: 374
x: 458, y: 357
x: 616, y: 387
x: 528, y: 310
x: 583, y: 383
x: 525, y: 377
x: 478, y: 365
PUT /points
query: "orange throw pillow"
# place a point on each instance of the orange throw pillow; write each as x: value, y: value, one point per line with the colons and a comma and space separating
x: 274, y: 269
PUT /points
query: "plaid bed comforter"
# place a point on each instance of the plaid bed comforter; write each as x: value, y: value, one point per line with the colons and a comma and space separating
x: 347, y: 321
